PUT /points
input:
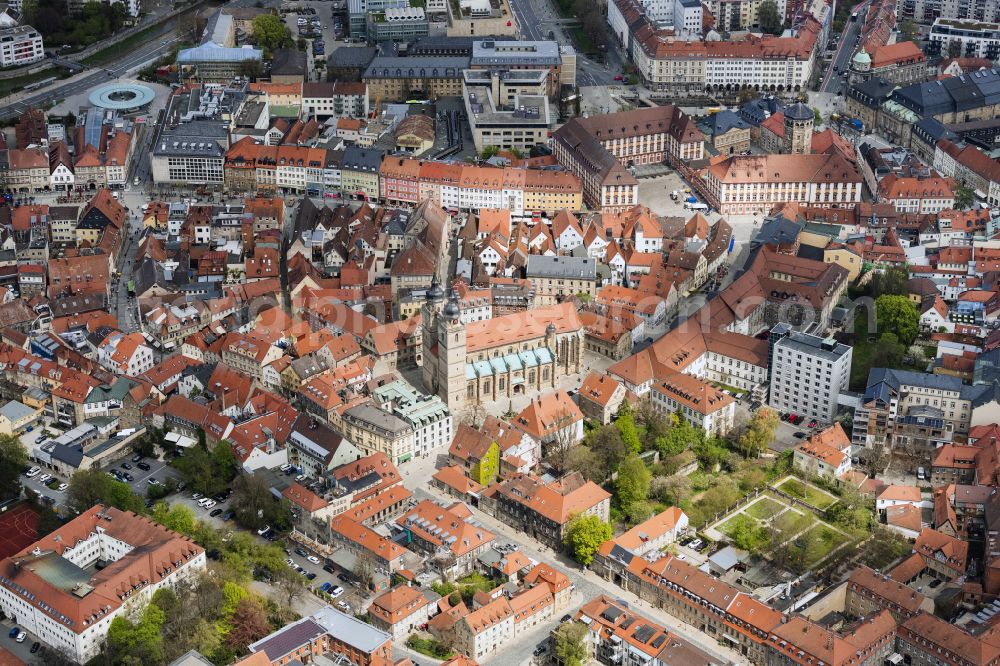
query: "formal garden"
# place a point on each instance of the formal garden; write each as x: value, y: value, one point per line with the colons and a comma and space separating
x: 788, y: 534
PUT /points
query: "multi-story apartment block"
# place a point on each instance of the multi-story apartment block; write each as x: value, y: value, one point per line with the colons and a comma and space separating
x: 341, y: 99
x: 910, y: 194
x: 427, y: 415
x: 559, y: 278
x: 317, y: 449
x: 448, y: 533
x: 20, y: 45
x: 870, y: 592
x: 541, y: 509
x: 457, y: 187
x: 679, y: 66
x: 807, y: 373
x: 53, y: 590
x: 617, y: 635
x: 927, y: 640
x: 966, y: 38
x: 375, y: 430
x: 913, y: 412
x: 755, y: 183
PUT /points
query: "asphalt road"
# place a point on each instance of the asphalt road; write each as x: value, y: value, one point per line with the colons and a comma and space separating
x: 836, y: 83
x: 536, y: 18
x: 159, y: 44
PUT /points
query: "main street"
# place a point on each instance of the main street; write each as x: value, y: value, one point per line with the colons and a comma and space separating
x: 160, y: 42
x: 535, y: 19
x: 836, y: 82
x: 587, y: 584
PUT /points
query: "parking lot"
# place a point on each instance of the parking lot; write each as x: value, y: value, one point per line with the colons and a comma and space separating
x: 327, y: 33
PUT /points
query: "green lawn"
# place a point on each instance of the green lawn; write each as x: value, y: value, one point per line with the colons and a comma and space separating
x: 764, y: 508
x: 808, y: 493
x: 794, y: 522
x: 823, y: 539
x: 729, y: 527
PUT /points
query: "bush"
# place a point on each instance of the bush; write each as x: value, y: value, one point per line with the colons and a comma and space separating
x: 430, y: 647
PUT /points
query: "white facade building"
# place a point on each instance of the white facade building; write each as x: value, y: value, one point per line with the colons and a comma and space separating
x: 807, y: 373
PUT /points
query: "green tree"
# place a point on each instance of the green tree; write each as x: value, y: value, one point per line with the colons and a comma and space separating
x: 609, y: 447
x: 13, y: 460
x: 711, y: 451
x: 270, y: 32
x: 887, y: 352
x: 893, y: 281
x: 759, y: 433
x: 139, y: 643
x: 569, y: 643
x: 899, y: 315
x: 909, y: 31
x: 768, y: 18
x: 965, y: 198
x: 583, y: 460
x: 632, y: 482
x: 748, y: 534
x: 90, y: 487
x: 626, y: 426
x: 817, y: 117
x: 176, y: 517
x: 584, y: 535
x: 489, y: 151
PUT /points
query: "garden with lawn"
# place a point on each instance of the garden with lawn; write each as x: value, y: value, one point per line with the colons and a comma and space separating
x: 806, y: 492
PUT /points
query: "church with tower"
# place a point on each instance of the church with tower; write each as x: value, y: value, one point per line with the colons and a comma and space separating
x: 494, y: 359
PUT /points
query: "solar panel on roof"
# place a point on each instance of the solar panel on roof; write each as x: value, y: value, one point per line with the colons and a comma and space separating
x: 644, y: 633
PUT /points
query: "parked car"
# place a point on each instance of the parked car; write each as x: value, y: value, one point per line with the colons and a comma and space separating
x: 325, y: 586
x: 62, y: 487
x: 13, y: 632
x: 136, y: 458
x: 262, y: 531
x: 300, y: 551
x: 343, y: 606
x: 20, y: 637
x: 313, y: 559
x: 800, y: 435
x: 329, y: 569
x: 126, y: 466
x: 215, y: 513
x: 35, y: 647
x: 344, y: 578
x: 336, y: 591
x: 196, y: 496
x: 813, y: 423
x: 311, y: 576
x: 144, y: 466
x: 44, y: 478
x: 228, y: 515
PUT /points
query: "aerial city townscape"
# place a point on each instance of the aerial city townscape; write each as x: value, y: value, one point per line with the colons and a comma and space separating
x: 500, y: 332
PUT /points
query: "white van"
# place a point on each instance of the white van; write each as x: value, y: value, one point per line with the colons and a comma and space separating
x: 203, y: 502
x: 696, y: 206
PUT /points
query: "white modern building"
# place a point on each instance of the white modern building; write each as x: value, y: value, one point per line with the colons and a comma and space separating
x: 807, y: 373
x: 53, y: 590
x: 20, y: 45
x: 687, y: 17
x: 975, y: 39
